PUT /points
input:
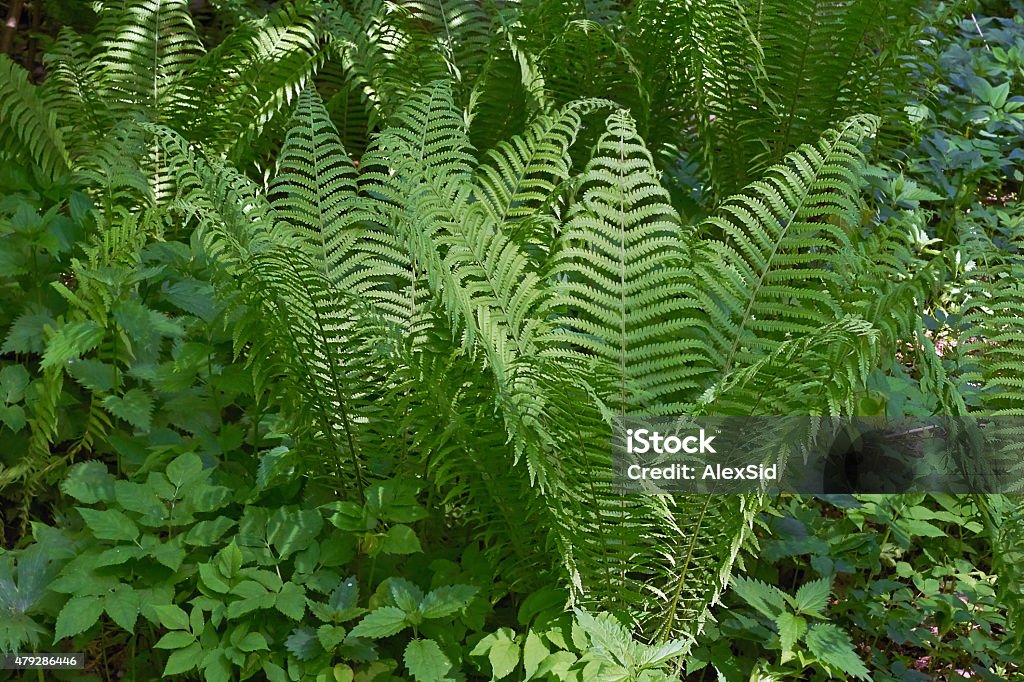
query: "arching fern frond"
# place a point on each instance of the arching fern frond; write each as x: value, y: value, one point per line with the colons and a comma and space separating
x: 315, y: 190
x: 519, y: 177
x: 619, y: 267
x: 764, y: 268
x: 145, y: 48
x: 28, y: 129
x: 322, y: 356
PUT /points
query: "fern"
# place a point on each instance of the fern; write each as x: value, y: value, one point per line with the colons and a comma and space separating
x: 27, y: 128
x: 620, y: 258
x: 770, y: 274
x: 315, y: 187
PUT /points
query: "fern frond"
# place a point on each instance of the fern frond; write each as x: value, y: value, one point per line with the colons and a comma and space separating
x: 73, y: 91
x: 765, y: 270
x: 519, y: 177
x: 28, y: 128
x: 145, y: 48
x: 317, y: 354
x: 315, y: 190
x: 619, y: 264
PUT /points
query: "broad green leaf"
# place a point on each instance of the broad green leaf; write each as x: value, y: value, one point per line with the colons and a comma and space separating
x: 446, y: 600
x: 13, y: 382
x: 78, y: 615
x: 291, y: 601
x: 178, y: 639
x: 400, y: 540
x: 254, y: 641
x: 504, y: 657
x: 140, y: 499
x: 184, y: 469
x: 212, y: 579
x: 183, y: 660
x: 383, y: 621
x: 89, y: 482
x: 206, y: 533
x: 172, y: 616
x: 171, y: 553
x: 229, y: 560
x: 122, y: 605
x: 812, y: 597
x: 394, y: 500
x: 13, y: 416
x: 208, y: 498
x: 534, y: 651
x: 426, y: 661
x: 292, y: 530
x: 135, y: 407
x: 109, y: 524
x: 833, y: 647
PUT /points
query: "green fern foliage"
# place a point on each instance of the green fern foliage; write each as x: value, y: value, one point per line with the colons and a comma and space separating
x: 315, y: 185
x: 27, y: 127
x: 620, y: 258
x: 764, y: 270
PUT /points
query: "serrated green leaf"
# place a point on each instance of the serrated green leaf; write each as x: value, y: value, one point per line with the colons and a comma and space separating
x: 122, y: 605
x: 426, y: 661
x: 833, y: 647
x: 812, y: 597
x: 70, y: 342
x: 135, y: 407
x: 405, y: 594
x: 303, y: 644
x: 93, y: 374
x: 109, y: 524
x: 381, y: 622
x: 89, y: 482
x: 27, y: 335
x: 791, y: 628
x: 768, y: 600
x: 331, y: 636
x: 78, y: 615
x: 446, y: 600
